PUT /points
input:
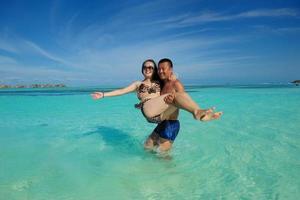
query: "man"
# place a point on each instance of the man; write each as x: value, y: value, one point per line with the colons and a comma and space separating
x: 165, y: 133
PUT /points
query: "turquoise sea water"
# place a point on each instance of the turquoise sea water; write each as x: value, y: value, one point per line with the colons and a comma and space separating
x: 60, y: 144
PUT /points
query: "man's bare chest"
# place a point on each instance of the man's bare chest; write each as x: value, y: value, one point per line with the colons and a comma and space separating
x: 168, y: 88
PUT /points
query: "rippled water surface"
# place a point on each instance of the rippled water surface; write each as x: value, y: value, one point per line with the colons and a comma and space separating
x: 60, y: 144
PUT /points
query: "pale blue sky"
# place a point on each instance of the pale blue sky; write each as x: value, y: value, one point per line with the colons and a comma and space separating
x: 105, y: 42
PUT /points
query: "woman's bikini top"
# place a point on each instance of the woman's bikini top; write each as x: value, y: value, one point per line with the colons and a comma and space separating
x: 143, y: 88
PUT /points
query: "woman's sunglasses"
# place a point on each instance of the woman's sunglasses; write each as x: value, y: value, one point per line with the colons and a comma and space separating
x: 148, y: 67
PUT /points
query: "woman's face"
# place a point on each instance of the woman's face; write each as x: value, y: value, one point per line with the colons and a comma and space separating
x: 148, y: 69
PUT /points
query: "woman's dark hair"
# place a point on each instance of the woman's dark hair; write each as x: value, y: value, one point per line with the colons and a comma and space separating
x: 155, y: 76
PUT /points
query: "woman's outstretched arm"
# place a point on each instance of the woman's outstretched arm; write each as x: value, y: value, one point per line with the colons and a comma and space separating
x: 131, y: 88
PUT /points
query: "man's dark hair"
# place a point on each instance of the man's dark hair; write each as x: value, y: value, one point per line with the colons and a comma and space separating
x: 166, y: 60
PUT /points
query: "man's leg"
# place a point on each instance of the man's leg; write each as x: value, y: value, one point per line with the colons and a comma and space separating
x: 151, y: 141
x: 164, y: 145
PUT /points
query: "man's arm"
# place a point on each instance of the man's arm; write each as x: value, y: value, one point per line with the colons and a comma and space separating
x: 178, y: 87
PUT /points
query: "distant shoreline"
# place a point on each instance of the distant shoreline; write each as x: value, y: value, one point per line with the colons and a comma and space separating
x: 111, y: 87
x: 60, y: 85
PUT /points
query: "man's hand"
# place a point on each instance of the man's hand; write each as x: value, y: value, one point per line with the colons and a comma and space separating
x: 170, y: 98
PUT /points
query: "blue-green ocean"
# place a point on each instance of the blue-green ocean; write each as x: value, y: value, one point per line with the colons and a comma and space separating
x: 60, y: 144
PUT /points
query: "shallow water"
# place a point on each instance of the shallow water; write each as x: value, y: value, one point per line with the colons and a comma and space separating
x: 60, y: 144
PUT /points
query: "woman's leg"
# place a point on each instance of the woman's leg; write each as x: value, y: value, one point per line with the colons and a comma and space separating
x: 157, y: 106
x: 183, y: 101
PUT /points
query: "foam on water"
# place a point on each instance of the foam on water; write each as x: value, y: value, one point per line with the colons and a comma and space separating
x: 67, y: 146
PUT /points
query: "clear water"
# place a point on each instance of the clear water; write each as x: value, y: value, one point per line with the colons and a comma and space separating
x: 60, y: 144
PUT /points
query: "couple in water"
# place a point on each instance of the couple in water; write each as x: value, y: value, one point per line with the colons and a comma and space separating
x: 161, y: 96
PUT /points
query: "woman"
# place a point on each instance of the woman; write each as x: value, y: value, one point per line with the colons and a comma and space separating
x: 148, y: 92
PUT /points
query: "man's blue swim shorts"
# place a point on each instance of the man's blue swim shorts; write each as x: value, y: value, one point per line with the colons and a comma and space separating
x: 168, y: 129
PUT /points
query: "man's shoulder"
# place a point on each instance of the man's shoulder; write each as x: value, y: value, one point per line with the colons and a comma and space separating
x: 177, y: 81
x: 174, y: 82
x: 178, y: 85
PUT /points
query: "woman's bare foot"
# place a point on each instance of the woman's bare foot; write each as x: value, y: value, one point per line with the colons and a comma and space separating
x: 198, y: 114
x: 212, y: 116
x: 206, y: 115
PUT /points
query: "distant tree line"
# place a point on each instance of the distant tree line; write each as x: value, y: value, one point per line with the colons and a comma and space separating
x: 297, y: 82
x: 60, y: 85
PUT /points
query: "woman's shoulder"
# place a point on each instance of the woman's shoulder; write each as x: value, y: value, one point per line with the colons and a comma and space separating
x: 137, y: 84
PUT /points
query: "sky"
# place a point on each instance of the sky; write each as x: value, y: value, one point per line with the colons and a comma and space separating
x: 91, y: 43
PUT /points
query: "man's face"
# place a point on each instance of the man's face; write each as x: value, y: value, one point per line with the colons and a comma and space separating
x: 164, y: 70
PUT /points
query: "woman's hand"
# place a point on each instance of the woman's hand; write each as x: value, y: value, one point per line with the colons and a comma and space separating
x: 173, y: 77
x: 138, y: 105
x: 97, y: 95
